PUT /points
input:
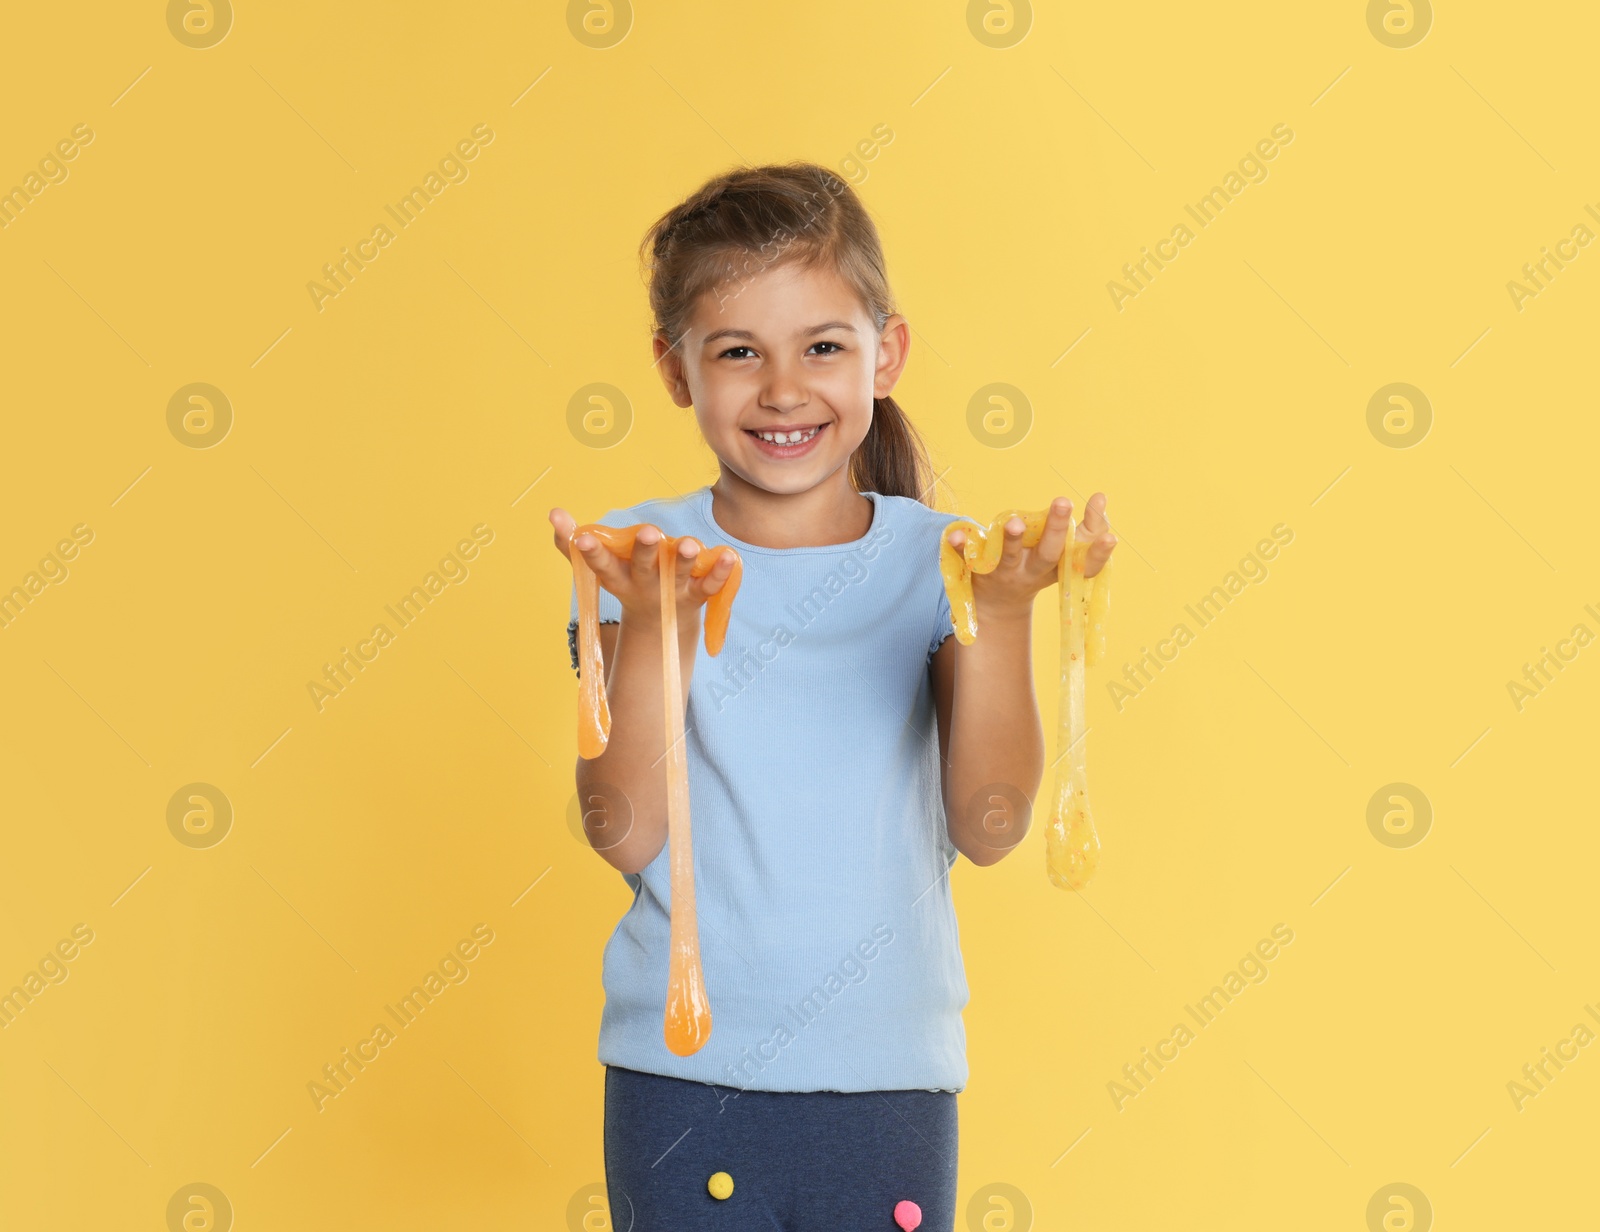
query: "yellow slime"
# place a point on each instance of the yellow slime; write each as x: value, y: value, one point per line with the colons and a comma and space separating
x: 1072, y: 846
x: 687, y: 1022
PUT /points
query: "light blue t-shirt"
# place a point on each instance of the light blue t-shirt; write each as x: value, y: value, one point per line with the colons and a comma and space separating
x: 821, y: 859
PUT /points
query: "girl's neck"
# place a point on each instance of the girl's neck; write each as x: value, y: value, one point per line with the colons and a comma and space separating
x: 832, y: 512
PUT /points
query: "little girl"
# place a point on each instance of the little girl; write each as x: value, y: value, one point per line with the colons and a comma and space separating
x: 842, y: 750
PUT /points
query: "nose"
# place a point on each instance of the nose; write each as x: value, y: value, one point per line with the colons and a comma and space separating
x: 783, y: 390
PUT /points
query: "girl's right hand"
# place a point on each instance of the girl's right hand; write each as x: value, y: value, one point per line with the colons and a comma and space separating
x: 636, y: 583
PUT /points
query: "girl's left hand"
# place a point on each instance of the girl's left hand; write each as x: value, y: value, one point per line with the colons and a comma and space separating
x: 1023, y: 572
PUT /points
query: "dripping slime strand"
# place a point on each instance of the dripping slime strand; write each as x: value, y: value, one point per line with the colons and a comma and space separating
x: 1072, y: 846
x: 687, y: 1022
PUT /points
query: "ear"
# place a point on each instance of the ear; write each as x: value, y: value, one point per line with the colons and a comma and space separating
x: 894, y: 345
x: 669, y: 363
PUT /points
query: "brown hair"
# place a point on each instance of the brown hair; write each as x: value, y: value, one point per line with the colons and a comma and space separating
x: 747, y: 220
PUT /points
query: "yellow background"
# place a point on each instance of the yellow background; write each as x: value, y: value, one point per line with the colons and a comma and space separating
x: 432, y: 396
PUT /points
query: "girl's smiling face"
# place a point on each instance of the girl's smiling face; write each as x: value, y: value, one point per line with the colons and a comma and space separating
x: 792, y: 349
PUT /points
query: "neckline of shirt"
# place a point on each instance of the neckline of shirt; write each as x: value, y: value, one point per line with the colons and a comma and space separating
x: 733, y: 540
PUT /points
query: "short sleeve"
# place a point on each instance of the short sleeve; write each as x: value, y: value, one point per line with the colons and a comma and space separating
x: 943, y: 623
x: 610, y: 606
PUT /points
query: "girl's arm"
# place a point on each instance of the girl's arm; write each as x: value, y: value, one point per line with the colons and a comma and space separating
x: 623, y: 792
x: 991, y: 743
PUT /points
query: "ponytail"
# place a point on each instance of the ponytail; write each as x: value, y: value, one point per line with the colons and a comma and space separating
x: 891, y: 459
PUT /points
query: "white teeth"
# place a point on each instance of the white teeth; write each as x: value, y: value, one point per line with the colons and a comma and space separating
x: 787, y: 438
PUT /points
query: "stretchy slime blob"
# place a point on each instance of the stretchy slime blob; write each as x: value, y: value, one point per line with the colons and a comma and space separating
x: 687, y: 1023
x: 1072, y: 847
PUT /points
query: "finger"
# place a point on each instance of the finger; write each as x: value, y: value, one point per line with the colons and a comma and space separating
x: 962, y: 540
x: 1094, y: 517
x: 716, y: 579
x: 597, y: 556
x: 1099, y: 554
x: 1011, y: 553
x: 562, y: 524
x: 687, y: 549
x: 1054, y: 538
x: 645, y: 546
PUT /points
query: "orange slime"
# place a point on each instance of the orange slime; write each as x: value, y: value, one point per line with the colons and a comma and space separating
x: 687, y: 1023
x: 1072, y: 847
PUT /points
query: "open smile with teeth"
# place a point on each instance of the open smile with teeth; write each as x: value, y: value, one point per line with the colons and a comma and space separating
x: 799, y: 436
